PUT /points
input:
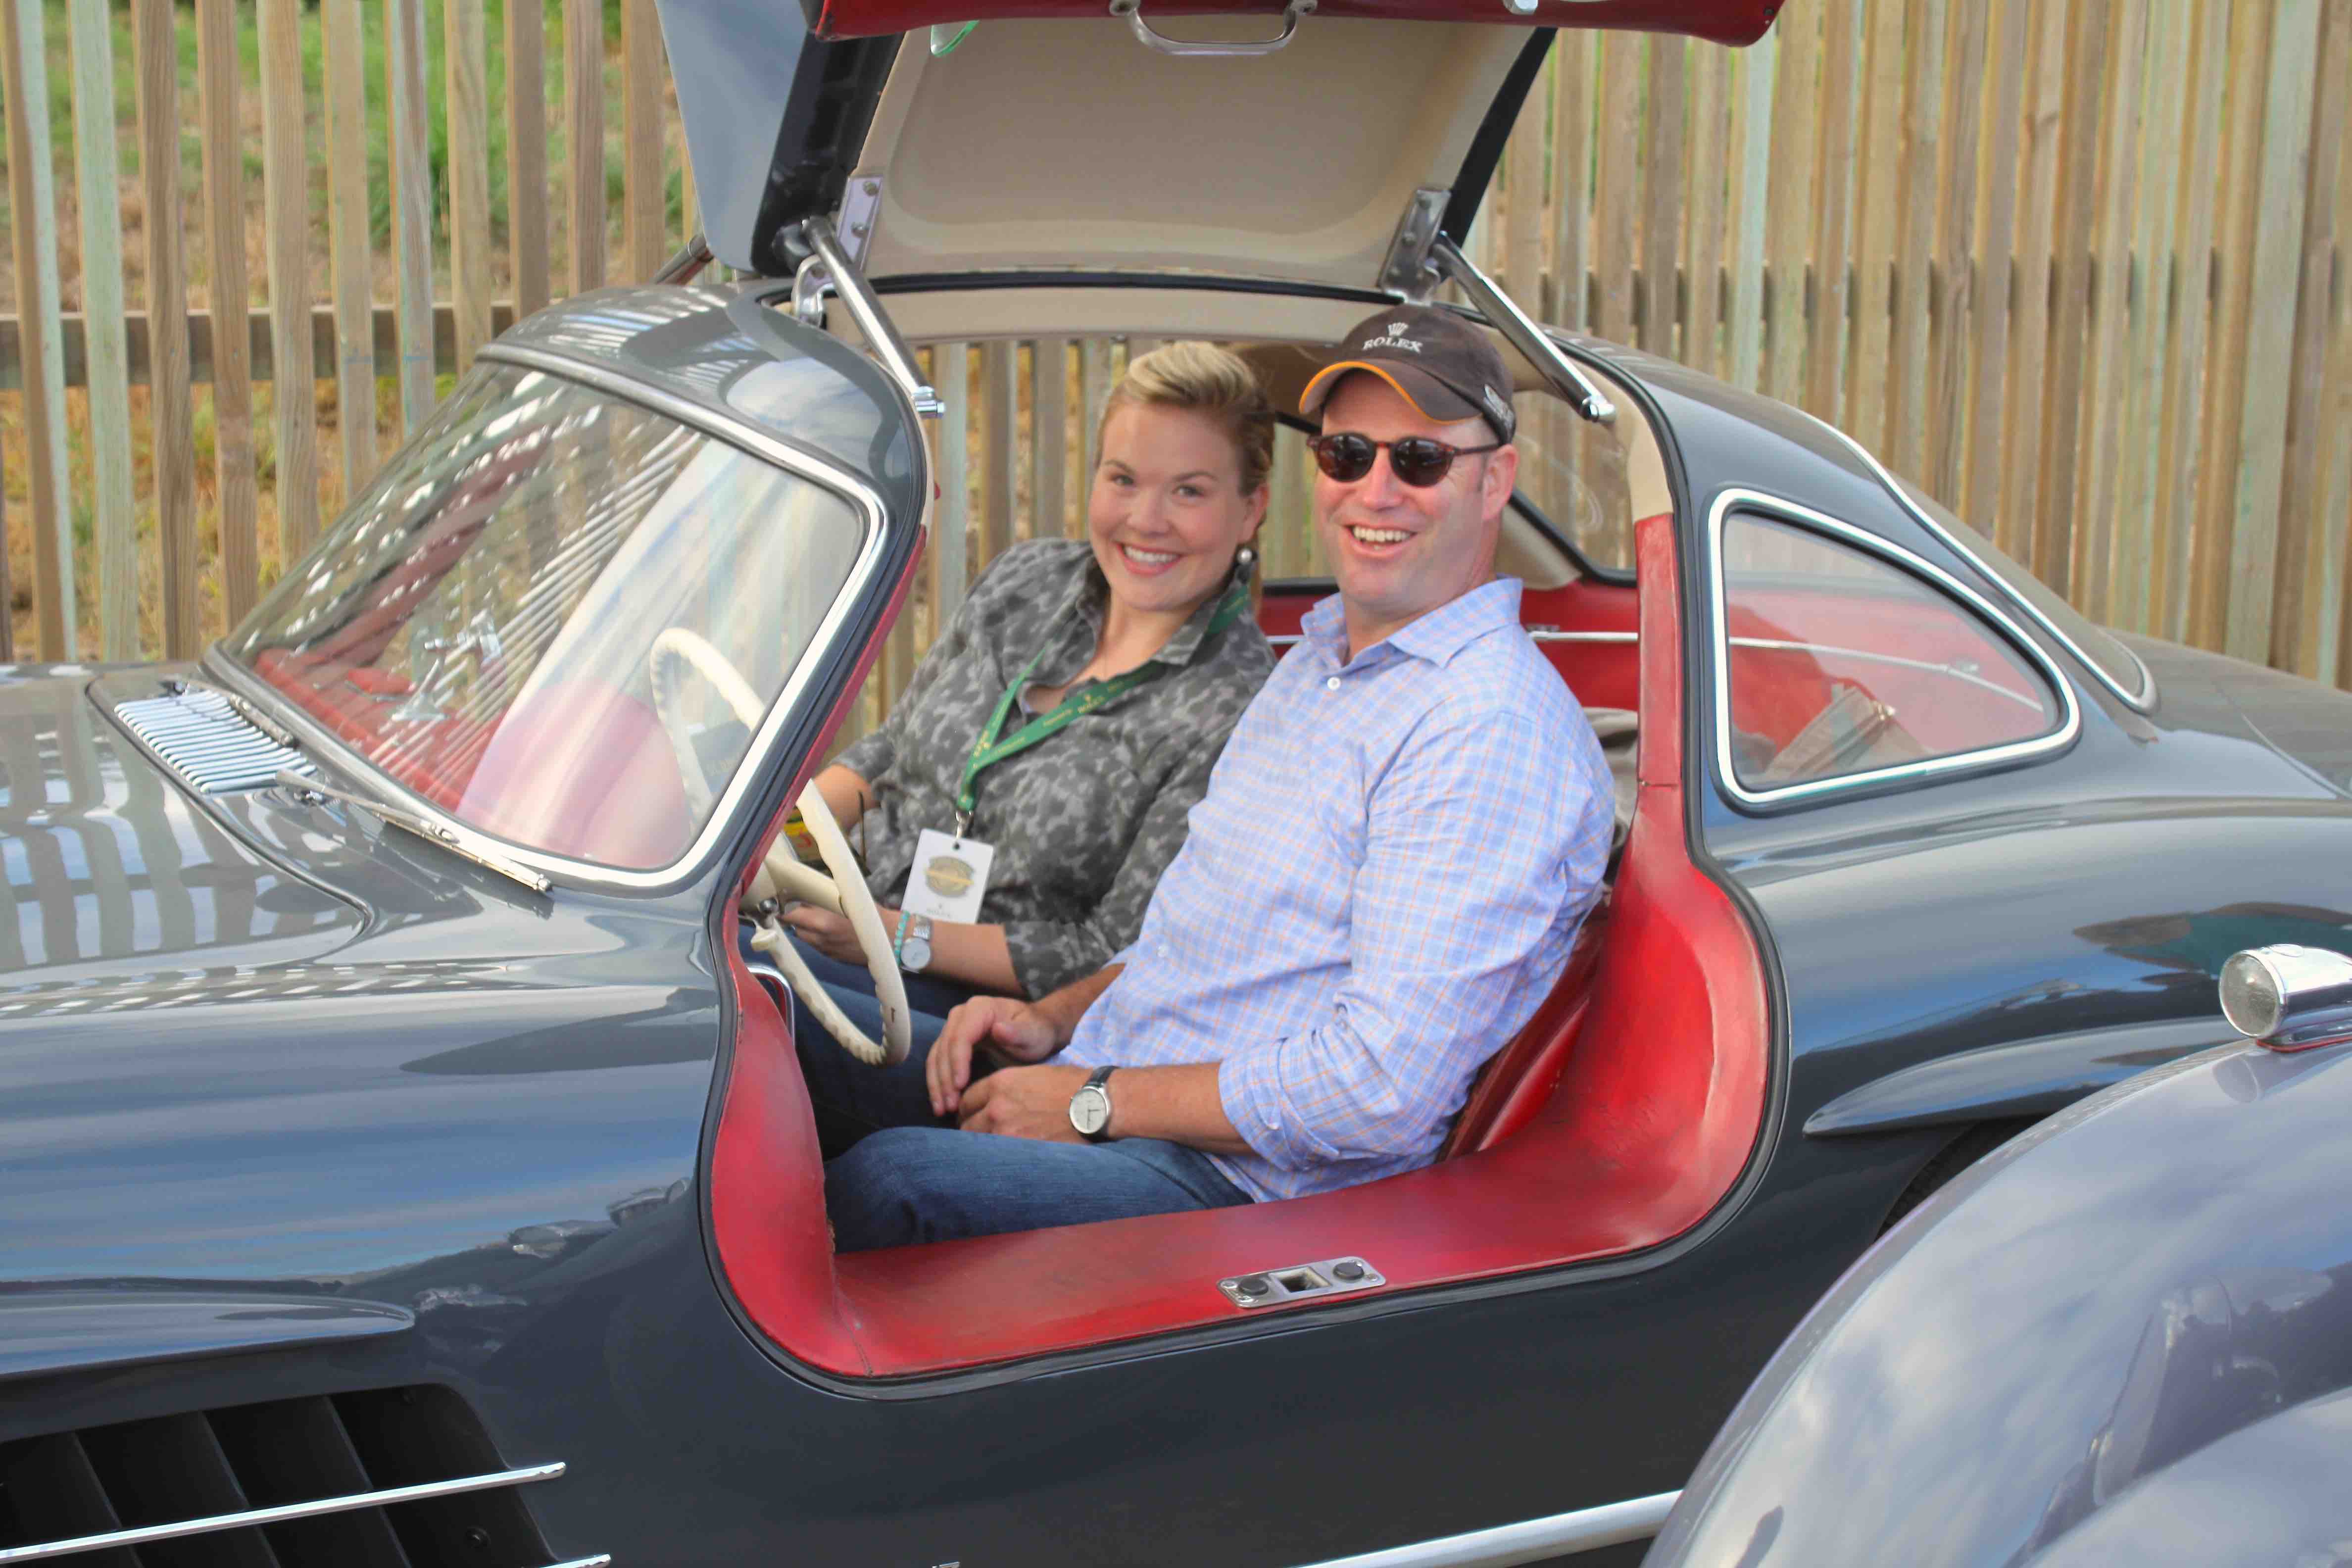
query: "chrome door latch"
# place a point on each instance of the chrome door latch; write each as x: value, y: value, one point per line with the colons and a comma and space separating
x: 1332, y: 1276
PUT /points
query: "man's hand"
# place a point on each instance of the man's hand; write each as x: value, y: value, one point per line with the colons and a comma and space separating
x: 832, y: 935
x: 1007, y: 1028
x: 1023, y: 1102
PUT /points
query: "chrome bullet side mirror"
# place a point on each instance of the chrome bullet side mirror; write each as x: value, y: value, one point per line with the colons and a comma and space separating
x: 2289, y: 997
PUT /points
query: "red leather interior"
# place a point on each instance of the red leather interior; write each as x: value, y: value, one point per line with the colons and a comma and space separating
x: 1516, y: 1083
x: 1724, y: 21
x: 1776, y: 692
x: 1658, y: 1091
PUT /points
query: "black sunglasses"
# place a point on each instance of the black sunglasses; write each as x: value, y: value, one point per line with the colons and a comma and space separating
x: 1415, y: 461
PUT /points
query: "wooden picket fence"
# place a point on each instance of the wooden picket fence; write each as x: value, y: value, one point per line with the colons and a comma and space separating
x: 2082, y: 268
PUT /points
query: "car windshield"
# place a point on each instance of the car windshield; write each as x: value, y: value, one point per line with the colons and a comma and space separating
x: 558, y: 616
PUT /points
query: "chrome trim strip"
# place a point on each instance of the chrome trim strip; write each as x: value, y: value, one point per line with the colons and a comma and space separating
x: 602, y: 1560
x: 1774, y: 507
x: 1529, y: 1540
x: 257, y: 1516
x: 1786, y: 645
x: 2144, y: 702
x: 319, y: 741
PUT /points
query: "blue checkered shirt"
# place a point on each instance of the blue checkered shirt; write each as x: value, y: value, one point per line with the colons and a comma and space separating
x: 1378, y: 890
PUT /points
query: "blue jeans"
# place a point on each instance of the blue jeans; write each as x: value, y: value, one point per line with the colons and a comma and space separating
x: 896, y: 1175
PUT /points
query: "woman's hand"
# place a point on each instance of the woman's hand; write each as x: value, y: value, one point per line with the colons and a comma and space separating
x: 831, y: 934
x: 1007, y: 1028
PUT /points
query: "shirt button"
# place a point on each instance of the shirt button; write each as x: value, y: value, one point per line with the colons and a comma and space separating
x: 1333, y: 683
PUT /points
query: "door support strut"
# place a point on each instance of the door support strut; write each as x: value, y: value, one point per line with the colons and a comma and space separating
x: 1565, y: 374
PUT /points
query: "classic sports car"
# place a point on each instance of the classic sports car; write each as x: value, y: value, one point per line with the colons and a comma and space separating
x: 399, y: 1162
x: 2124, y: 1338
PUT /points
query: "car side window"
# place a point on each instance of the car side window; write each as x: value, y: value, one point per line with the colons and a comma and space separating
x: 1840, y: 662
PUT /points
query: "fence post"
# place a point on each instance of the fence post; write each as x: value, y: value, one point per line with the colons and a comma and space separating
x: 2182, y: 438
x: 287, y: 223
x: 2306, y: 563
x: 235, y: 489
x: 644, y: 199
x: 98, y: 163
x: 348, y: 238
x: 465, y: 55
x: 583, y: 102
x: 2270, y: 336
x: 1662, y: 190
x: 412, y: 213
x: 156, y: 60
x: 1751, y: 115
x: 32, y: 198
x: 527, y: 154
x: 1789, y: 224
x: 1833, y: 231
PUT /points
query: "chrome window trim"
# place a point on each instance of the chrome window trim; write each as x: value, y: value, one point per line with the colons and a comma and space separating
x: 2144, y: 702
x: 248, y: 1518
x: 2071, y: 720
x: 1529, y: 1540
x: 319, y: 740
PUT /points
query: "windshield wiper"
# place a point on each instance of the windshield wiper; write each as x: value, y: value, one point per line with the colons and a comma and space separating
x: 488, y: 860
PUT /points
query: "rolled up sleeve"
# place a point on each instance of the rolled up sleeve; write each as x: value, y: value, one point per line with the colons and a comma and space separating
x: 1473, y: 850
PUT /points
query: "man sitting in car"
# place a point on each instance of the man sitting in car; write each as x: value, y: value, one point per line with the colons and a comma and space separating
x: 1380, y: 886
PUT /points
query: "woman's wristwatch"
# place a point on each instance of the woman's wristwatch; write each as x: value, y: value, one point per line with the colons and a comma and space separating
x: 913, y: 948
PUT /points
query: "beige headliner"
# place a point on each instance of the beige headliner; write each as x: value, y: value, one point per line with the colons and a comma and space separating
x: 1068, y: 143
x: 1285, y: 337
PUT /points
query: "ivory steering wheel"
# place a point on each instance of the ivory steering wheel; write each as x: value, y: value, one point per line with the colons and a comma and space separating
x: 782, y: 877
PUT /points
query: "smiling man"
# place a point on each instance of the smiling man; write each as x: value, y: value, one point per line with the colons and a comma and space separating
x: 1380, y: 886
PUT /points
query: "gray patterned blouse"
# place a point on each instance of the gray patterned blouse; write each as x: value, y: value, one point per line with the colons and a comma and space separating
x: 1084, y: 822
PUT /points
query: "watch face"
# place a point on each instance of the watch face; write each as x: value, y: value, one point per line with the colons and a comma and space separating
x: 914, y: 954
x: 1090, y: 1111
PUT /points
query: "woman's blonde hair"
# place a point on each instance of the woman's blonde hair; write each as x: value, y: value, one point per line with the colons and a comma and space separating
x: 1203, y: 379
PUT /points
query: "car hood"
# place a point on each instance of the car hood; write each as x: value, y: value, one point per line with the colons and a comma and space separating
x: 115, y: 876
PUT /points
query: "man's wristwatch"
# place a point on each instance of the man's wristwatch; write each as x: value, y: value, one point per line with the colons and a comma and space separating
x: 915, y: 943
x: 1090, y: 1107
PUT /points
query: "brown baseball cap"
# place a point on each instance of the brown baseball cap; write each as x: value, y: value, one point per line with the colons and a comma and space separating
x: 1436, y: 361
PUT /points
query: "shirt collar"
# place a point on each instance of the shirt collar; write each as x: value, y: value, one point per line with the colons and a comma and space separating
x: 1436, y: 637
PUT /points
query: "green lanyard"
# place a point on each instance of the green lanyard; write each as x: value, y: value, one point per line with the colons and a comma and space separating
x: 988, y: 751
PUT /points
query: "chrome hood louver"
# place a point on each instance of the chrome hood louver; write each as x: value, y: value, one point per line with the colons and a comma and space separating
x: 213, y: 742
x: 393, y: 1476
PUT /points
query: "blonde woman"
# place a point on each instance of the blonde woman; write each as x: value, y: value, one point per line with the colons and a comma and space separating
x: 1068, y: 718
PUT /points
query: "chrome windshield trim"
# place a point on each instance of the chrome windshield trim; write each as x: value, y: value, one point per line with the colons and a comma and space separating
x: 141, y: 1536
x: 2145, y: 701
x: 318, y: 741
x: 2070, y: 724
x: 1529, y: 1540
